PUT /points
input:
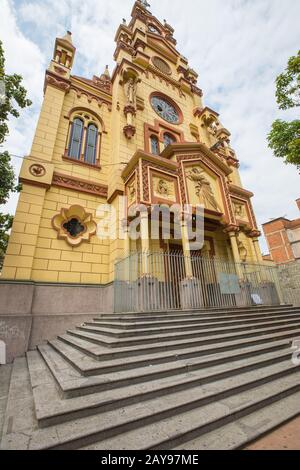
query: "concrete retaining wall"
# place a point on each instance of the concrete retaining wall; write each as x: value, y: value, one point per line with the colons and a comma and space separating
x: 32, y: 313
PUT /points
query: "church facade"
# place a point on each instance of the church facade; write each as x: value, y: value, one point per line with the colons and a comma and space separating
x: 143, y: 132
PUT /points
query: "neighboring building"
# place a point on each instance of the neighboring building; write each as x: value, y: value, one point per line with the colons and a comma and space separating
x: 283, y: 238
x: 143, y: 132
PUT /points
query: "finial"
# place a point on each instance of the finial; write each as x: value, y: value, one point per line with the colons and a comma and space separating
x: 145, y: 3
x: 68, y: 37
x: 106, y: 72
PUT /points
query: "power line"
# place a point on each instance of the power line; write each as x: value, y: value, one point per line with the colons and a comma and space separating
x: 61, y: 163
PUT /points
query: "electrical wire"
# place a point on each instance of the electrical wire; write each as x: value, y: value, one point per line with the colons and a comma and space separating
x: 61, y: 163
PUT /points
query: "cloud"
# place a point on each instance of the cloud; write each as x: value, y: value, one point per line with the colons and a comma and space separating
x: 238, y: 47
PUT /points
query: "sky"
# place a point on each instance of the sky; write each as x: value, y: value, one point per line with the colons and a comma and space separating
x: 238, y: 47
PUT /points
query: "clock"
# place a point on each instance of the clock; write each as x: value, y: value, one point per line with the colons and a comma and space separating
x: 165, y: 109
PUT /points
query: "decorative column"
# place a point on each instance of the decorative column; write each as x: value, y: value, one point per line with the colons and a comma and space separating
x: 190, y: 292
x: 258, y: 254
x: 186, y: 250
x: 232, y: 230
x: 145, y: 242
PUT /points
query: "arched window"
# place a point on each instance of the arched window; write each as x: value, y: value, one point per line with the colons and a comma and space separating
x: 91, y: 144
x: 154, y: 145
x: 169, y: 139
x: 76, y: 139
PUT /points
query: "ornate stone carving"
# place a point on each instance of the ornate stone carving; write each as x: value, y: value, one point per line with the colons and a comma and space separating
x: 162, y: 188
x: 70, y: 182
x: 131, y: 192
x: 129, y: 131
x: 239, y: 210
x: 74, y: 225
x: 60, y: 84
x: 203, y: 189
x: 129, y: 109
x: 161, y: 65
x: 37, y: 170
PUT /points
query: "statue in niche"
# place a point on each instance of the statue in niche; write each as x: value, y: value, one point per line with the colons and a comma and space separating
x: 162, y: 188
x: 130, y: 91
x: 243, y: 251
x: 213, y: 128
x: 203, y: 189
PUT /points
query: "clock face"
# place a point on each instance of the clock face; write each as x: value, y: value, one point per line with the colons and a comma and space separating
x: 165, y: 110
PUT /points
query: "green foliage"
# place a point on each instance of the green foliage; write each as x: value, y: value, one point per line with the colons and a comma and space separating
x: 14, y: 98
x: 5, y: 225
x: 288, y: 85
x: 284, y: 137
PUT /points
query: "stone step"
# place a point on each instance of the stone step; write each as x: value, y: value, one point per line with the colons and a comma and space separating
x: 188, y: 349
x: 19, y: 416
x: 88, y: 366
x: 5, y: 374
x: 162, y: 342
x: 247, y: 429
x: 180, y: 314
x: 184, y: 325
x: 171, y: 431
x: 173, y: 419
x: 73, y: 384
x: 121, y: 390
x: 147, y: 336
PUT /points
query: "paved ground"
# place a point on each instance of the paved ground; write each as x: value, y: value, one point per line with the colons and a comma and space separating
x: 286, y: 437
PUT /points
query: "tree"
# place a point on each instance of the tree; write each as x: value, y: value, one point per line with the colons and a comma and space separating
x: 12, y: 96
x: 284, y: 138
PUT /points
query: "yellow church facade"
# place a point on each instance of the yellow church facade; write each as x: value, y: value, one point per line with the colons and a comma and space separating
x: 145, y: 133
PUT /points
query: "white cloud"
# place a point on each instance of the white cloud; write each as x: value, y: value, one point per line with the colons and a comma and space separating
x: 238, y: 47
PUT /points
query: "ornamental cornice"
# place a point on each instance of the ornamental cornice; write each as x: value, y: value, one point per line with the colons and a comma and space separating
x: 78, y: 184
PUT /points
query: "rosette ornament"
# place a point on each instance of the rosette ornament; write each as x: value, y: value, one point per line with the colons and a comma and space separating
x: 74, y: 225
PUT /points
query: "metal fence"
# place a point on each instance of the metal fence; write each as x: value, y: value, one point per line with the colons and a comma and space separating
x: 146, y: 282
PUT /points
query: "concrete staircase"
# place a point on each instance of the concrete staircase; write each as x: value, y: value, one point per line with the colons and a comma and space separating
x: 213, y: 379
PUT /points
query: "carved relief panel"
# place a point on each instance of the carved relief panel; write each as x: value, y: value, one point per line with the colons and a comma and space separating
x: 164, y: 188
x: 203, y: 188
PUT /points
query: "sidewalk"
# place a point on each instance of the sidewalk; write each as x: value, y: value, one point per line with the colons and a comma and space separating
x: 286, y: 437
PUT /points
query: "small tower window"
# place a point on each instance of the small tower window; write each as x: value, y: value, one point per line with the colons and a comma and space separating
x: 154, y: 145
x: 76, y: 139
x: 91, y: 144
x: 169, y: 139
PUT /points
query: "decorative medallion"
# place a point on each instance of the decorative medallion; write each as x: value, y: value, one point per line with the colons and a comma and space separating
x: 165, y: 109
x: 74, y: 225
x: 37, y: 170
x: 161, y: 65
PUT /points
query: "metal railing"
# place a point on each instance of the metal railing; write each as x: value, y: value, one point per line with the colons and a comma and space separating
x: 146, y: 282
